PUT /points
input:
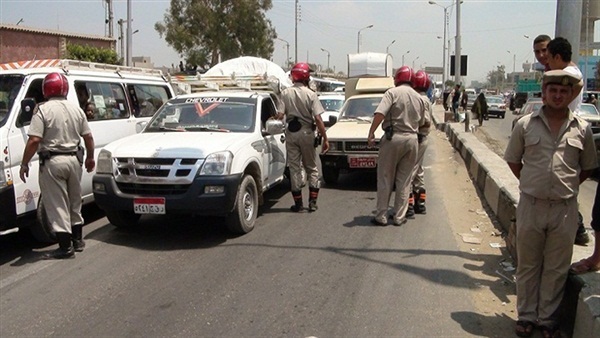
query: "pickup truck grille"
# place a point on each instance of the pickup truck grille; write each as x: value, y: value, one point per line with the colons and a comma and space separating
x: 155, y: 176
x: 153, y: 189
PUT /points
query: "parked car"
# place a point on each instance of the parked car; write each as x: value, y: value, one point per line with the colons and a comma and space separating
x: 332, y: 103
x: 533, y: 104
x: 589, y: 113
x: 496, y: 106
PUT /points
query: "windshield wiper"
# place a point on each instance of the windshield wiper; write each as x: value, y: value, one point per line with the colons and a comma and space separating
x: 221, y: 130
x: 163, y: 128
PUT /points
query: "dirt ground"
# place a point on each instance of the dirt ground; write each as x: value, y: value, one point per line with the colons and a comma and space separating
x: 495, y: 295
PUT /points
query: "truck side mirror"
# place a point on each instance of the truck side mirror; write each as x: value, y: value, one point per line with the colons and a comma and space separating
x: 27, y: 106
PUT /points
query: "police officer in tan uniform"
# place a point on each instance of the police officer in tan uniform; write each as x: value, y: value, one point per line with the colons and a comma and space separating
x: 551, y: 152
x: 55, y: 131
x: 303, y: 110
x: 421, y: 84
x: 401, y: 113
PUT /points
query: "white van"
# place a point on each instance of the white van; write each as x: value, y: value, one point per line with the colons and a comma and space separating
x: 121, y: 100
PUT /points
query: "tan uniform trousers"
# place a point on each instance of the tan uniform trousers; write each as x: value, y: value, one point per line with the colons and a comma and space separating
x: 301, y: 153
x: 60, y: 184
x: 545, y: 235
x: 396, y: 163
x: 418, y: 181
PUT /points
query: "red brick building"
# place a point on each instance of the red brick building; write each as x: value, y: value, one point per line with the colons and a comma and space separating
x: 19, y: 43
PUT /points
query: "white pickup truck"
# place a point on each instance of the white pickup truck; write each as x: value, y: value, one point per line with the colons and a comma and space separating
x: 208, y: 153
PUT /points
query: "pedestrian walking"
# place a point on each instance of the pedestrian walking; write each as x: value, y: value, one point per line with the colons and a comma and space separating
x: 480, y: 108
x: 302, y: 110
x: 55, y: 133
x: 401, y: 113
x: 546, y: 217
x: 418, y: 195
x: 455, y: 102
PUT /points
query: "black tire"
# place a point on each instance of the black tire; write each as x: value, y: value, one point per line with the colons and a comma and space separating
x: 41, y: 229
x: 122, y: 219
x: 502, y: 116
x: 241, y: 220
x: 331, y: 175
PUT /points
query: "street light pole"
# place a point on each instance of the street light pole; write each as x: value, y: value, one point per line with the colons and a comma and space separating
x: 514, y: 59
x: 413, y: 63
x: 358, y: 37
x: 387, y: 49
x: 444, y: 72
x: 403, y: 56
x: 287, y: 45
x: 328, y: 55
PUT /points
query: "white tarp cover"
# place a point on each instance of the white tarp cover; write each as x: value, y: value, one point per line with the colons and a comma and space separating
x: 369, y: 64
x: 250, y: 65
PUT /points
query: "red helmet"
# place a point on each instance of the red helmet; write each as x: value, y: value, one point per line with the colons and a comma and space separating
x: 404, y: 74
x: 300, y: 72
x: 55, y: 85
x: 419, y: 81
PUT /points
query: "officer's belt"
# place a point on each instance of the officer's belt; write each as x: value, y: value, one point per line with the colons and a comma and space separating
x: 55, y: 153
x: 535, y: 200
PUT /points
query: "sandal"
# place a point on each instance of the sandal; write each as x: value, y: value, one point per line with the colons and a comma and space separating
x: 550, y: 332
x: 524, y: 328
x: 583, y: 266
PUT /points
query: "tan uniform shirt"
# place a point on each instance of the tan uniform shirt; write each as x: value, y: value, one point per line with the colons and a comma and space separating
x: 299, y: 101
x: 424, y: 130
x: 60, y: 125
x: 551, y: 167
x: 405, y: 108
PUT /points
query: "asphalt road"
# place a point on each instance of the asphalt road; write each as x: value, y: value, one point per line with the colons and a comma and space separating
x: 324, y: 274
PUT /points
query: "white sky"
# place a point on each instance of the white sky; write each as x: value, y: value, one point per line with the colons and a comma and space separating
x: 489, y: 28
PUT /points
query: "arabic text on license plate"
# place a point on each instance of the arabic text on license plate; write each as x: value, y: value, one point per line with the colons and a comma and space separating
x: 362, y: 162
x: 151, y: 205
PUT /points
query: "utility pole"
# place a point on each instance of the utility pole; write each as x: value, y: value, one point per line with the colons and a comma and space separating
x: 121, y: 40
x: 129, y: 33
x: 110, y: 18
x: 296, y: 34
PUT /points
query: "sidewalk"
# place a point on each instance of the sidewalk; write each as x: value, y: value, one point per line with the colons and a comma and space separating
x: 501, y: 191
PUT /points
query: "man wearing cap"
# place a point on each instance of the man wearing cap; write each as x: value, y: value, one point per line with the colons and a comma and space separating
x: 551, y: 152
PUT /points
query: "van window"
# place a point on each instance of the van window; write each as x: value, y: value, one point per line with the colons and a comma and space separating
x: 106, y: 100
x: 146, y: 99
x: 34, y: 91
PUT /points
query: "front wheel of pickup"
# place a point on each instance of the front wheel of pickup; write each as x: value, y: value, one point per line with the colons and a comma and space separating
x: 241, y: 220
x: 331, y: 175
x: 122, y: 219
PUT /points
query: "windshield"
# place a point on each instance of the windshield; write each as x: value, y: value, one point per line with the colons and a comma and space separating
x: 495, y: 100
x: 330, y: 104
x: 220, y: 114
x: 360, y: 108
x: 9, y: 88
x: 589, y: 110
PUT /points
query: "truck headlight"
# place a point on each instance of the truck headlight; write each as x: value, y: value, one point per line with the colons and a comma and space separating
x: 217, y: 164
x: 104, y: 165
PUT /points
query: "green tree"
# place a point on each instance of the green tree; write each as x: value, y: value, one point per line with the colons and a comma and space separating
x: 496, y: 78
x: 200, y: 30
x: 93, y: 54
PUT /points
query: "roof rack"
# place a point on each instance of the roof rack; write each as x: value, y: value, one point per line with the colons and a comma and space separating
x: 67, y: 65
x: 201, y: 83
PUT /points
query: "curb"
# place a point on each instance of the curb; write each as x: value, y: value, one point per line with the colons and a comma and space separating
x: 490, y: 173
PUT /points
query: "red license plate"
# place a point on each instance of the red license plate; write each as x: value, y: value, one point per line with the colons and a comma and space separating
x: 149, y: 205
x: 362, y: 162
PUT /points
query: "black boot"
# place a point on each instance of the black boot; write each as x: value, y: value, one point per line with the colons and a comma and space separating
x: 420, y: 197
x: 312, y: 199
x: 77, y: 237
x: 298, y: 206
x: 65, y: 249
x: 410, y: 212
